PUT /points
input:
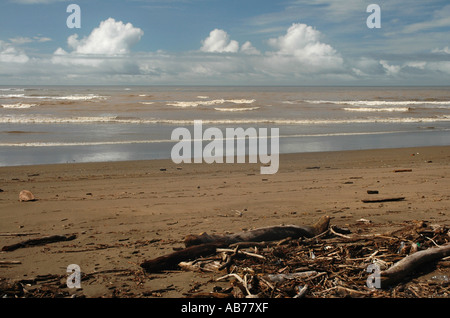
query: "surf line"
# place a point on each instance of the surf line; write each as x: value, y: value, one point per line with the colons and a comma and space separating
x: 220, y: 149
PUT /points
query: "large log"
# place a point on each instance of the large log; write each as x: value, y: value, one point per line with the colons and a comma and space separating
x: 265, y: 234
x: 410, y: 263
x: 203, y: 245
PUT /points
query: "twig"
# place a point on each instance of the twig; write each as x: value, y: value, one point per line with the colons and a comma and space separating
x: 241, y: 252
x: 339, y: 234
x: 232, y: 275
x: 301, y: 291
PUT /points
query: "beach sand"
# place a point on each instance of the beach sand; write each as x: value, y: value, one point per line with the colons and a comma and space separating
x: 126, y: 212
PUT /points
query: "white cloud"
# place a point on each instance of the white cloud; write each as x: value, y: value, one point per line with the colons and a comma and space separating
x: 109, y: 38
x: 440, y: 19
x: 445, y: 50
x: 106, y: 48
x: 10, y: 54
x: 219, y: 41
x: 22, y: 40
x: 247, y: 48
x: 301, y: 47
x: 390, y: 69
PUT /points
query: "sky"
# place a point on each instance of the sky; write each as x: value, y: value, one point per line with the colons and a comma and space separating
x: 228, y: 42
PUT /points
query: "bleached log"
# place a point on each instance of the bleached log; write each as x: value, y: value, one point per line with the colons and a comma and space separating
x: 265, y: 234
x: 410, y: 263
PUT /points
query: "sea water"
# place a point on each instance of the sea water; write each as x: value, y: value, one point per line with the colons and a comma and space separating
x: 66, y: 124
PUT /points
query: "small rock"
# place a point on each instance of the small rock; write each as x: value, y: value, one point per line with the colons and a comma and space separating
x: 25, y: 196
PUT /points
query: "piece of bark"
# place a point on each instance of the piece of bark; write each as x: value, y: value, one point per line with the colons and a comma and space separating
x: 383, y: 200
x: 407, y: 265
x: 39, y: 241
x: 265, y: 234
x: 403, y: 170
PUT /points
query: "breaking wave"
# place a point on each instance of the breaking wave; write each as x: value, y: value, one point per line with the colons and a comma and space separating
x: 211, y: 102
x: 18, y: 105
x: 68, y: 97
x: 119, y: 120
x: 236, y: 109
x: 377, y: 102
x: 375, y: 109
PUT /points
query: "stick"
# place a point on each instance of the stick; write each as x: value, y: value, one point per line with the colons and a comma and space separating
x: 10, y: 262
x: 39, y: 241
x: 339, y: 234
x: 407, y: 265
x: 228, y: 250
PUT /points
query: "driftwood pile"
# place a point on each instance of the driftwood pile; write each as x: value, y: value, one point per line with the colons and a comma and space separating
x: 318, y: 261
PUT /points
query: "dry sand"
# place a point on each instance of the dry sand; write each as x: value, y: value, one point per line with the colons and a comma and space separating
x: 126, y: 212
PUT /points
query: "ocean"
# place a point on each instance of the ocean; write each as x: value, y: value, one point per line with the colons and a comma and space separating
x: 66, y: 124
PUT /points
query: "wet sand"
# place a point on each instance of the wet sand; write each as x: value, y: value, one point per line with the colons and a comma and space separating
x: 123, y: 213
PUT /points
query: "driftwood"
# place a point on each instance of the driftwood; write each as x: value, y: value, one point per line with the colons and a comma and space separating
x: 39, y: 241
x: 411, y: 262
x: 265, y: 234
x: 18, y: 234
x: 10, y: 262
x: 171, y: 261
x: 383, y: 200
x: 203, y: 245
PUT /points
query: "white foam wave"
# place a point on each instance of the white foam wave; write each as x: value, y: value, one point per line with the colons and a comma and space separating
x: 184, y: 104
x: 12, y: 89
x: 74, y: 144
x: 146, y: 103
x: 123, y: 142
x: 68, y: 97
x: 211, y: 102
x: 12, y: 95
x: 377, y: 102
x: 381, y: 109
x: 105, y: 119
x: 18, y: 105
x: 243, y: 109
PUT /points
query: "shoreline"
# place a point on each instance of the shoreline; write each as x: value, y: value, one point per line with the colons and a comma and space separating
x: 281, y: 155
x: 124, y: 212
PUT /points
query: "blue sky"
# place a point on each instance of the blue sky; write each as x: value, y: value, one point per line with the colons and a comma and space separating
x: 251, y: 42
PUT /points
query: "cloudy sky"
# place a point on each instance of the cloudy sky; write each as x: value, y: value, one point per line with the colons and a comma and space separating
x: 226, y: 42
